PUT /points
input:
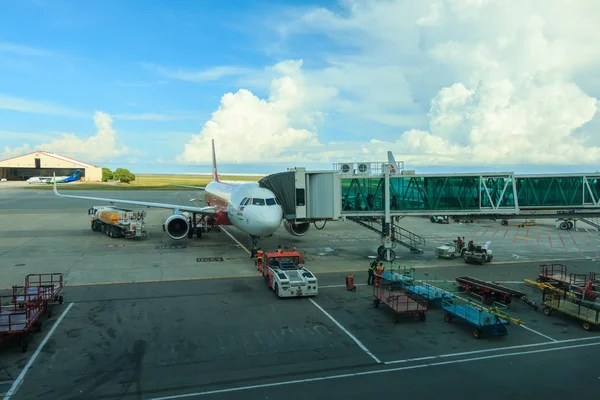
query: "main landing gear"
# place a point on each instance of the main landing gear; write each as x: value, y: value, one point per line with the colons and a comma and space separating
x: 254, y: 246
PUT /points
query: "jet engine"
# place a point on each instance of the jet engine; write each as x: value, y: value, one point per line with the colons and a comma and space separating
x: 299, y: 229
x: 176, y: 226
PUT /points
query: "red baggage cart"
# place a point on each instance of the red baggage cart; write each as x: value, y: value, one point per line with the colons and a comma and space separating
x: 19, y: 319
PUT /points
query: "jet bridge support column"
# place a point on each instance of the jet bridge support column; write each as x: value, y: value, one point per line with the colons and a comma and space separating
x: 387, y: 228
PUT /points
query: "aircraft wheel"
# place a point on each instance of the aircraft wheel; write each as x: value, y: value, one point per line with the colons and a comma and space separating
x: 570, y: 224
x: 389, y: 257
x: 564, y: 226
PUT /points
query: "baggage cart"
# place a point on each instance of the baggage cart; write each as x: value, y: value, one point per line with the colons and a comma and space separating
x: 491, y: 292
x: 486, y: 321
x: 39, y: 288
x: 581, y: 284
x: 585, y: 311
x: 401, y: 303
x: 19, y: 319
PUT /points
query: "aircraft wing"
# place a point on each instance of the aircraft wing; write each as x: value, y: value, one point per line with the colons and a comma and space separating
x: 186, y: 186
x: 198, y: 210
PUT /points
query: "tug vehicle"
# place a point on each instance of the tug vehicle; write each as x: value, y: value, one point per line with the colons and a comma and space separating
x: 450, y: 250
x: 285, y: 276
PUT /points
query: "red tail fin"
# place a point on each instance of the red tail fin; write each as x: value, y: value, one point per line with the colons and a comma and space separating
x: 214, y: 169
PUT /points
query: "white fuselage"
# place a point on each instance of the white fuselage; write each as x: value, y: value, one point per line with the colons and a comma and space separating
x: 43, y: 179
x: 248, y: 207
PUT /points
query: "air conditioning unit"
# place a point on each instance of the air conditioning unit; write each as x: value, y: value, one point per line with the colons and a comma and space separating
x: 363, y: 168
x: 347, y: 168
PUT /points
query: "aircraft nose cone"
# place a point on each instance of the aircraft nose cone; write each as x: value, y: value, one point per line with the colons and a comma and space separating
x: 273, y: 219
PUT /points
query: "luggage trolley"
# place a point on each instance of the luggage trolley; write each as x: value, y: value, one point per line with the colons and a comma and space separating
x: 40, y: 289
x: 490, y: 321
x: 585, y: 311
x: 401, y: 302
x: 19, y: 319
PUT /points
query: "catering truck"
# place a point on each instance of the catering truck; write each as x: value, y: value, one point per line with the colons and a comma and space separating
x: 118, y: 222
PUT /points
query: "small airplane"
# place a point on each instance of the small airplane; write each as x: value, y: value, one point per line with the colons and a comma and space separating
x: 76, y: 176
x: 254, y: 210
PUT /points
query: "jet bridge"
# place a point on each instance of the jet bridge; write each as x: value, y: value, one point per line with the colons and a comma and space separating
x: 306, y: 196
x: 377, y: 195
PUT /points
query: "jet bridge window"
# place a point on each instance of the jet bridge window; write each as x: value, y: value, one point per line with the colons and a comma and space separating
x: 258, y: 202
x: 271, y: 202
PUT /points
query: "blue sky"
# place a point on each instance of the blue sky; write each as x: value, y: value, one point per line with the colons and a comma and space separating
x: 446, y: 85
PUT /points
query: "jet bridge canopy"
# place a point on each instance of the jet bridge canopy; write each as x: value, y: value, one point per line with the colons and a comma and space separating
x: 306, y: 196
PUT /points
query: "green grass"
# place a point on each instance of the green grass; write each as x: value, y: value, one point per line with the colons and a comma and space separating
x: 149, y: 182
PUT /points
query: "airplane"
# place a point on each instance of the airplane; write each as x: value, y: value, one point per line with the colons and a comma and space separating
x: 76, y: 176
x: 254, y: 210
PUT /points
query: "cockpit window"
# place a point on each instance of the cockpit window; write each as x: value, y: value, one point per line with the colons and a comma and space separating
x: 248, y: 201
x: 243, y: 201
x: 271, y: 202
x: 258, y: 202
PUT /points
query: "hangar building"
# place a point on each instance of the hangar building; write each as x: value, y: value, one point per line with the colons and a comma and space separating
x: 44, y: 163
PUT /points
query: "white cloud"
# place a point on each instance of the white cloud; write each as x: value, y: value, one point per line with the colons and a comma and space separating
x: 23, y: 50
x: 248, y: 129
x: 496, y: 76
x: 206, y: 75
x: 153, y: 117
x: 23, y: 105
x: 100, y: 147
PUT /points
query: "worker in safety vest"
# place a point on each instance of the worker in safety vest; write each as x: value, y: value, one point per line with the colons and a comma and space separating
x: 279, y: 249
x: 372, y: 272
x: 259, y: 257
x: 378, y: 273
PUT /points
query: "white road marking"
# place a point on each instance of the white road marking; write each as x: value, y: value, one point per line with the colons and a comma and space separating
x: 538, y: 333
x: 235, y: 240
x: 365, y: 373
x: 431, y: 281
x: 358, y: 342
x: 17, y: 383
x: 467, y: 353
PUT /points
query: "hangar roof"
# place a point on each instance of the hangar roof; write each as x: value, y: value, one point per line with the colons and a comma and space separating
x: 58, y: 156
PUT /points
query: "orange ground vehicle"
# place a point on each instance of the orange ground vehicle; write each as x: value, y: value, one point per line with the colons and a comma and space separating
x: 285, y: 276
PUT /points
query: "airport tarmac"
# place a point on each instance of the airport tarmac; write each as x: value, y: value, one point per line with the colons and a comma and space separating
x: 192, y: 329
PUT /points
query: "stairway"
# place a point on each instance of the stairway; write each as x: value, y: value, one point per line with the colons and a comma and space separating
x: 592, y: 222
x: 402, y: 236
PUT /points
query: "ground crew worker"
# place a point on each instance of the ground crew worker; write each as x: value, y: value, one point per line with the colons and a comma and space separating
x: 372, y: 272
x: 191, y: 229
x: 279, y: 249
x: 259, y: 257
x: 378, y: 273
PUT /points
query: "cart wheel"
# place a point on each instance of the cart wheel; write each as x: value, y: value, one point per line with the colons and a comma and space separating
x: 587, y: 326
x: 448, y: 318
x: 354, y: 289
x: 477, y: 333
x: 507, y: 299
x: 376, y: 303
x: 422, y: 316
x: 60, y: 300
x: 547, y: 311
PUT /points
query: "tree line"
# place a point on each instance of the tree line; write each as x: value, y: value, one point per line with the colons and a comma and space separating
x: 120, y: 174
